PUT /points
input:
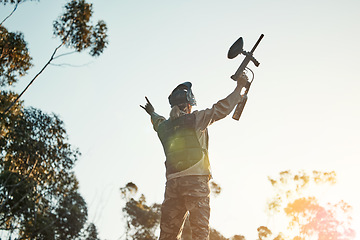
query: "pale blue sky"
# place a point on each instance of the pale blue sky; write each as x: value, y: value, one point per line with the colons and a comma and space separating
x: 302, y: 112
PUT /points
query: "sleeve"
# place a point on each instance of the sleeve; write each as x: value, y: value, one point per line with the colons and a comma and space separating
x: 219, y: 110
x: 156, y: 119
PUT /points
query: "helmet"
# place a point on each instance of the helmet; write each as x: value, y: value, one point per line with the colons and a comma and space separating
x: 182, y: 94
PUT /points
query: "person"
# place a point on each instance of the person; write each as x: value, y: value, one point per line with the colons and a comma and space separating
x: 184, y: 137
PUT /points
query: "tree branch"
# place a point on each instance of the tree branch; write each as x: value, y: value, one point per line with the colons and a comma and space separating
x: 16, y: 5
x: 70, y: 65
x: 51, y: 58
x: 64, y: 54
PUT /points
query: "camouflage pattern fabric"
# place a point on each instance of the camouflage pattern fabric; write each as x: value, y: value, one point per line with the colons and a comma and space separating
x: 183, y: 196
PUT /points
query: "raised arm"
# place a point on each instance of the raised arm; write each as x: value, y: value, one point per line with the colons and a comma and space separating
x: 156, y: 119
x: 222, y: 108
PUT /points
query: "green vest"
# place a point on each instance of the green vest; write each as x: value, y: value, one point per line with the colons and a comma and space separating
x: 180, y: 143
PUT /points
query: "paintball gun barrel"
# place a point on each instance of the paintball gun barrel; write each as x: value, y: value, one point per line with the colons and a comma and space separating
x: 236, y: 49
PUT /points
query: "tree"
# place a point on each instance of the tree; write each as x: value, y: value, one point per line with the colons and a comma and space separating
x: 75, y: 30
x: 237, y: 237
x: 214, y: 235
x: 14, y: 57
x: 264, y: 233
x: 91, y: 233
x: 39, y: 196
x: 307, y: 216
x: 141, y: 219
x: 326, y: 222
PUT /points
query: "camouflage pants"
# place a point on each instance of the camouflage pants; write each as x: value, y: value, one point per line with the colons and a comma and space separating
x: 184, y: 195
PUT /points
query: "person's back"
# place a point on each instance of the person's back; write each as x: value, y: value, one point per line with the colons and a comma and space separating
x: 181, y: 144
x: 184, y: 138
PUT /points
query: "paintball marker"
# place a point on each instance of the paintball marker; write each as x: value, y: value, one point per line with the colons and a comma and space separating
x: 236, y: 49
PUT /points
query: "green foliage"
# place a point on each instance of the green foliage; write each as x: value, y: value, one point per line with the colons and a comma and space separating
x: 129, y: 190
x: 14, y: 59
x: 90, y: 233
x: 307, y: 217
x: 326, y: 222
x: 289, y: 185
x: 215, y: 235
x: 39, y: 197
x: 142, y: 220
x: 238, y: 237
x: 263, y: 233
x: 280, y: 236
x: 75, y: 30
x: 40, y: 140
x: 215, y: 188
x: 8, y: 120
x: 71, y: 215
x: 99, y: 38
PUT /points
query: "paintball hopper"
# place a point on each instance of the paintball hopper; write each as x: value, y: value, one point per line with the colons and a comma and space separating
x: 236, y: 48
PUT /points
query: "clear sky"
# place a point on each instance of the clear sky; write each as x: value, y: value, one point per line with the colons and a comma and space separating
x: 302, y: 113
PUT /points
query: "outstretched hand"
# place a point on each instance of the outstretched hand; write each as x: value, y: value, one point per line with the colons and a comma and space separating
x: 148, y: 107
x: 242, y: 81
